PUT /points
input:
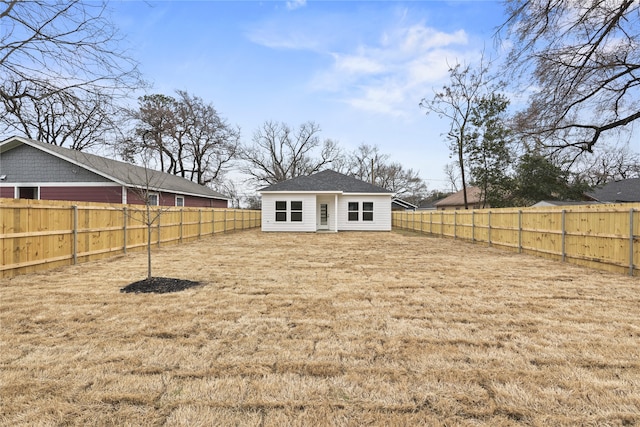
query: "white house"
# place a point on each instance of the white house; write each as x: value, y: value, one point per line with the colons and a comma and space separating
x: 325, y: 201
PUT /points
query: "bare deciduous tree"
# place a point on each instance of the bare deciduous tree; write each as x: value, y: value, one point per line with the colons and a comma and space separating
x: 369, y: 164
x: 67, y: 118
x: 456, y: 102
x: 185, y: 135
x: 365, y: 162
x: 279, y: 152
x: 607, y: 163
x: 62, y: 70
x: 208, y: 143
x: 584, y: 61
x: 452, y: 172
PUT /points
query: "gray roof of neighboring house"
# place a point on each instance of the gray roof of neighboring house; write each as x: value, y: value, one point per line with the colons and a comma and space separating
x: 123, y: 173
x: 627, y: 190
x: 326, y: 180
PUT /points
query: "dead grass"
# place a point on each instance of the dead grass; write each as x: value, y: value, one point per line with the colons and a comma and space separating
x: 326, y: 330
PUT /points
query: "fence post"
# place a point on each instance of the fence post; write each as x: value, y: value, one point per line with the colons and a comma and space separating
x: 455, y: 225
x: 199, y: 223
x: 564, y: 232
x: 181, y: 222
x: 473, y: 226
x: 441, y: 223
x: 489, y: 230
x: 159, y: 228
x: 520, y: 231
x: 224, y: 229
x: 75, y: 234
x: 631, y: 241
x: 124, y: 229
x: 430, y: 223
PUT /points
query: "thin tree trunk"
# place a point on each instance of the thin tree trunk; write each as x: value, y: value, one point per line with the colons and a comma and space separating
x: 149, y: 223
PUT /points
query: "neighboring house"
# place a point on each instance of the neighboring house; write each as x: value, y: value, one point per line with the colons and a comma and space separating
x: 327, y: 200
x: 402, y: 205
x: 624, y: 191
x: 35, y: 170
x: 456, y: 200
x: 428, y: 205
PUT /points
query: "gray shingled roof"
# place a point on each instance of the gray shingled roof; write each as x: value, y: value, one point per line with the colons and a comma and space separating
x: 627, y: 190
x: 326, y: 180
x: 123, y: 173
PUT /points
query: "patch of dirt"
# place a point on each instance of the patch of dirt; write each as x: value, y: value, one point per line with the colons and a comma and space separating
x: 159, y: 285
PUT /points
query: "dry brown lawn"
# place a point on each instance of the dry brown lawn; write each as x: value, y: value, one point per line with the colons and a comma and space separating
x: 345, y: 329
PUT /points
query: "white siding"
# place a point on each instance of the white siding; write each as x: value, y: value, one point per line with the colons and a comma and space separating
x: 381, y: 213
x: 308, y: 212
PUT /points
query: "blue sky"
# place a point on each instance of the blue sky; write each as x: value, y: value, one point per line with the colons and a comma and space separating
x: 357, y: 68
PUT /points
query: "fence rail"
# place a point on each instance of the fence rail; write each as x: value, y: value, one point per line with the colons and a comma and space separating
x: 606, y: 237
x: 38, y: 235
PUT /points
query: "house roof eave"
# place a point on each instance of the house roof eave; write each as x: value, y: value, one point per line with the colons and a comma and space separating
x: 15, y: 141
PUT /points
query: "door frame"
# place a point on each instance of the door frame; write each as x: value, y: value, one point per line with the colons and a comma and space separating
x: 329, y: 201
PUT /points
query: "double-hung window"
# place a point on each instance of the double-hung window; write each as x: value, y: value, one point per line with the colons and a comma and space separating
x: 152, y: 199
x: 281, y: 211
x: 296, y: 211
x: 367, y: 211
x: 353, y: 211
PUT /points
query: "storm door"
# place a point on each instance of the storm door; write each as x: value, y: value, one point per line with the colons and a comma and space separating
x: 324, y: 217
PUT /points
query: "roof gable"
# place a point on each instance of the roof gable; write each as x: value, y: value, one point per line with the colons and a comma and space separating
x: 120, y: 172
x: 326, y: 181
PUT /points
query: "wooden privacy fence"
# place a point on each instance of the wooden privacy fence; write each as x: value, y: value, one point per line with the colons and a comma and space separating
x: 39, y: 235
x: 606, y: 237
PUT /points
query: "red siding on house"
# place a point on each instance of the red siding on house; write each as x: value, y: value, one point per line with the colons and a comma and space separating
x: 7, y: 192
x: 199, y: 202
x: 82, y: 194
x: 169, y: 199
x: 113, y: 194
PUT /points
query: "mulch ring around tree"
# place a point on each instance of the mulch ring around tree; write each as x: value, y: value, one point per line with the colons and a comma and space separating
x: 159, y: 285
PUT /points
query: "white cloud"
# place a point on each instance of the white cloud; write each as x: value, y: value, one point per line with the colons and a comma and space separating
x: 391, y: 76
x: 295, y: 4
x: 357, y: 64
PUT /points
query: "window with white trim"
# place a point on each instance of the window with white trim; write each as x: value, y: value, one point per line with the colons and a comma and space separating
x: 179, y: 201
x: 32, y: 193
x: 153, y: 199
x: 281, y: 211
x: 296, y: 211
x: 353, y: 211
x: 367, y: 211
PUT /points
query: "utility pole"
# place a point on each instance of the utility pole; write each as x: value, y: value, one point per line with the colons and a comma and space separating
x: 373, y: 177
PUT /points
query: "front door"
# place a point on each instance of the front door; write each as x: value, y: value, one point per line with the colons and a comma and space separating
x: 324, y: 217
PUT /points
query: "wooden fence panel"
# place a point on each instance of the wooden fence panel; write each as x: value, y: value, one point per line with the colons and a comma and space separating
x: 37, y: 235
x: 606, y: 237
x: 541, y: 233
